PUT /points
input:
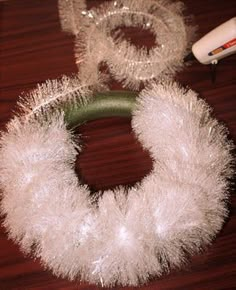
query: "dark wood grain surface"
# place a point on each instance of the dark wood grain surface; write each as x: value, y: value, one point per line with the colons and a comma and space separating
x: 34, y: 49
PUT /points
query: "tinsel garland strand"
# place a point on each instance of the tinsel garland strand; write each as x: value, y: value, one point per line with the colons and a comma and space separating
x: 97, y: 39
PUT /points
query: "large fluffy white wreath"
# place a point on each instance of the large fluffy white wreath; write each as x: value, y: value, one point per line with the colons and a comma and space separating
x: 124, y: 238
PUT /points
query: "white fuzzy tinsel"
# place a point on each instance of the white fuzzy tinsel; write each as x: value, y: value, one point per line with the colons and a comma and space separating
x: 98, y: 38
x: 125, y: 238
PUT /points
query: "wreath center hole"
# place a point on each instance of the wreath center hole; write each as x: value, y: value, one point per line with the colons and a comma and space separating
x: 111, y: 155
x: 134, y: 34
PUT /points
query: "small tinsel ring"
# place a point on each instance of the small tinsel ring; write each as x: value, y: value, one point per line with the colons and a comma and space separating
x: 124, y: 238
x: 98, y: 40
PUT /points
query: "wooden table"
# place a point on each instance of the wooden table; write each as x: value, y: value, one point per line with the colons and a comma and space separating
x: 33, y: 49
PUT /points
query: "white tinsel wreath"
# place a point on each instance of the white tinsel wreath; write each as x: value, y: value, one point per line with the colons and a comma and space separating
x: 98, y: 41
x: 124, y: 238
